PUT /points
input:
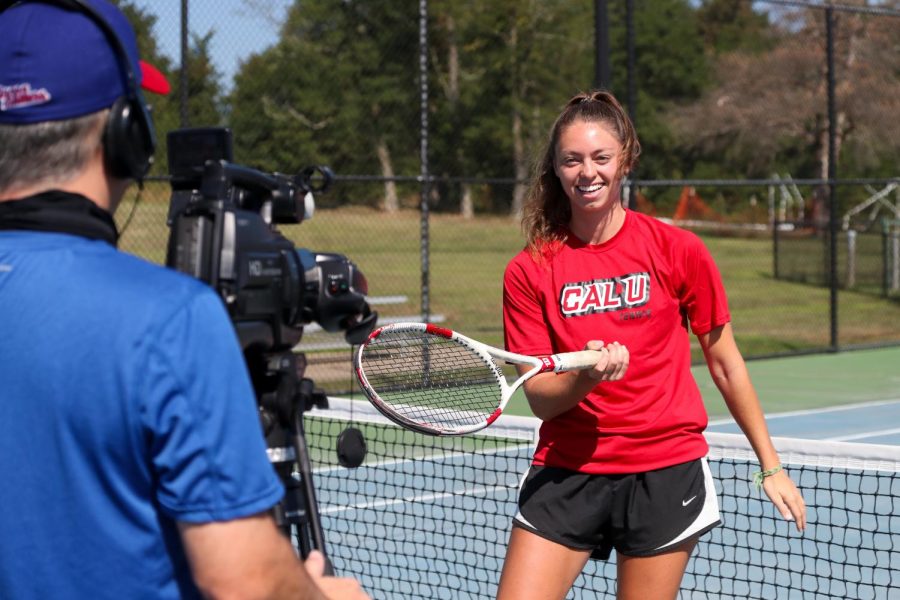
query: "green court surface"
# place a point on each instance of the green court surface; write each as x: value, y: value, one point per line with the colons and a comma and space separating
x: 803, y: 382
x: 815, y: 381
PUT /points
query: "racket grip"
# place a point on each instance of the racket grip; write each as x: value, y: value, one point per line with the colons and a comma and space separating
x: 575, y: 361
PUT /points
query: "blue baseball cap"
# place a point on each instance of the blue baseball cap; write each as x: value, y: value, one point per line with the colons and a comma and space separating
x: 57, y: 62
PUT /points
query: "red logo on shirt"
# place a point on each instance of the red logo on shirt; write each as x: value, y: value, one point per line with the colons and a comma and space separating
x: 21, y: 95
x: 604, y: 295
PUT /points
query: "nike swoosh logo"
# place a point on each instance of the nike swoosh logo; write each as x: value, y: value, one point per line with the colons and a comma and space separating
x: 688, y: 501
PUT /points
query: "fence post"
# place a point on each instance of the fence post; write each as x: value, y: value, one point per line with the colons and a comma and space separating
x: 632, y: 90
x: 424, y: 174
x: 602, y: 69
x: 183, y: 76
x: 832, y: 172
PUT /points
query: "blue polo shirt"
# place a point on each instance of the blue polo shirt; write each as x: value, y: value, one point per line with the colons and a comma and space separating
x: 125, y: 407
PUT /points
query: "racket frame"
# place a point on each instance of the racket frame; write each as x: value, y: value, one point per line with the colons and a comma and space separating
x: 566, y: 361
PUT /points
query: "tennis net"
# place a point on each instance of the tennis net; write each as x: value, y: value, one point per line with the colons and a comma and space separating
x: 428, y: 517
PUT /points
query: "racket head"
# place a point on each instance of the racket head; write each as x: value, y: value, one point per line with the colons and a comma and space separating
x: 430, y: 379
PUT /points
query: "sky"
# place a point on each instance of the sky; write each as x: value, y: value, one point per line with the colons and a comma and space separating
x: 238, y: 30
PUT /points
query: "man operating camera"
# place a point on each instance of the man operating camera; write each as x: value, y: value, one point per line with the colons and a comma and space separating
x: 132, y: 459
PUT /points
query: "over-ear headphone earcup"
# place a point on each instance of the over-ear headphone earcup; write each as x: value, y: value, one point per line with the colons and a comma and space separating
x: 128, y: 140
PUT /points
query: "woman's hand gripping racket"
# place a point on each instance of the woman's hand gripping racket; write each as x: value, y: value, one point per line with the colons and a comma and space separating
x: 437, y: 381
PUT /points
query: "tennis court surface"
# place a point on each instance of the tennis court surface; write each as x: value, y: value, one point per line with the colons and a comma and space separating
x: 428, y: 517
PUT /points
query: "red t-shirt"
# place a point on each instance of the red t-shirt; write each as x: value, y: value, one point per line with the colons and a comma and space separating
x: 641, y: 288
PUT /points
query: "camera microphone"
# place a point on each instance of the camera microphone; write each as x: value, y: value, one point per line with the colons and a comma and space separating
x: 351, y: 448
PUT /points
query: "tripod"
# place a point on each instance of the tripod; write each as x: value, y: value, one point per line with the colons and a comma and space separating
x: 284, y: 396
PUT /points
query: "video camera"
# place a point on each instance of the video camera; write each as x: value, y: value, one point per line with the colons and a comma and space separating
x: 222, y: 218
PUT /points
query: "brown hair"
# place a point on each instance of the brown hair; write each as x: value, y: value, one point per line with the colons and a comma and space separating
x: 546, y: 210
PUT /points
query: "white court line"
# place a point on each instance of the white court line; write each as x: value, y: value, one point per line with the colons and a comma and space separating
x: 816, y: 411
x: 479, y: 491
x: 476, y: 491
x: 512, y: 449
x: 860, y: 436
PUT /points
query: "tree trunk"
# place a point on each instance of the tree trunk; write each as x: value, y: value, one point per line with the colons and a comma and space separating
x: 521, y: 167
x: 391, y: 201
x: 821, y: 200
x: 466, y: 203
x: 518, y: 99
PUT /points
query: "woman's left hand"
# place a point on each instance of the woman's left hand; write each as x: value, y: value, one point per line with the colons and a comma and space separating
x: 786, y: 498
x: 613, y: 362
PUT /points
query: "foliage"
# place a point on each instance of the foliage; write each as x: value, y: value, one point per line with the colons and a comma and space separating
x: 732, y: 25
x: 204, y: 90
x: 766, y: 111
x: 340, y: 82
x: 670, y: 67
x: 724, y: 89
x: 333, y: 90
x: 503, y: 68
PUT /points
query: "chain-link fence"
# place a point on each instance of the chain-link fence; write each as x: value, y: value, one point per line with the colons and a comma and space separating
x: 767, y: 127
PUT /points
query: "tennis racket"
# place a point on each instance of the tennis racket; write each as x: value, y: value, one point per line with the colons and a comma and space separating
x: 437, y: 381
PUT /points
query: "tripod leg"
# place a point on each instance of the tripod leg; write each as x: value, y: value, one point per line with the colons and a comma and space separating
x: 291, y: 513
x: 284, y: 398
x: 309, y: 492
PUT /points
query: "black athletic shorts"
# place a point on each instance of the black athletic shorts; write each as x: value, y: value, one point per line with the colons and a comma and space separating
x: 639, y: 514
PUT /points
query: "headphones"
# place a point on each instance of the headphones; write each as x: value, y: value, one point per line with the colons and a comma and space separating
x: 129, y: 139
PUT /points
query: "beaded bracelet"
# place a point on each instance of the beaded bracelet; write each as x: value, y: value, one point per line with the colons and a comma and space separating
x: 760, y: 475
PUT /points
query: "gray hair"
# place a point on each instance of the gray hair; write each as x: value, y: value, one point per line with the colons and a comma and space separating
x: 48, y: 153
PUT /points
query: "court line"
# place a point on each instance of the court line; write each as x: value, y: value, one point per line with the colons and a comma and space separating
x: 860, y: 436
x: 478, y: 491
x: 512, y: 449
x: 816, y: 411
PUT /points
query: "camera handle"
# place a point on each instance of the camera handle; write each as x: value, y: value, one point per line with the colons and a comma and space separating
x: 282, y: 412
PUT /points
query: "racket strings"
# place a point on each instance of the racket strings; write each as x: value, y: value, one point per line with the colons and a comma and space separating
x: 431, y: 379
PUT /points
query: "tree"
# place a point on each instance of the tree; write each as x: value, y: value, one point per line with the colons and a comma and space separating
x: 204, y: 89
x: 205, y: 106
x: 143, y: 24
x: 502, y: 69
x: 549, y: 50
x: 448, y: 75
x: 338, y: 88
x: 671, y: 68
x: 341, y: 86
x: 768, y: 112
x: 731, y: 25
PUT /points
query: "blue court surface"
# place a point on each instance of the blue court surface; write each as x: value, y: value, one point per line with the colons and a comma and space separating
x: 869, y: 422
